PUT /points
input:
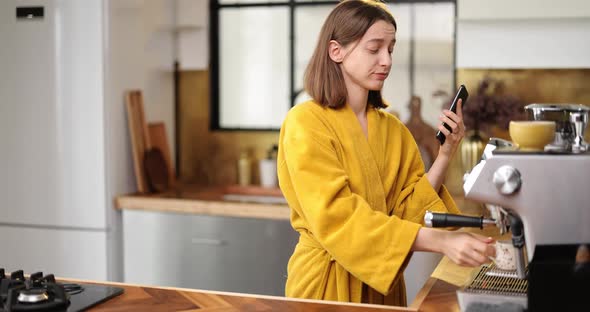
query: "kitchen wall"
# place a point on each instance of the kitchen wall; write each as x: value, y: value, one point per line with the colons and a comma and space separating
x: 210, y: 157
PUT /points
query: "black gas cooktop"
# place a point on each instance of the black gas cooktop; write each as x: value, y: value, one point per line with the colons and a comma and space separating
x: 41, y: 292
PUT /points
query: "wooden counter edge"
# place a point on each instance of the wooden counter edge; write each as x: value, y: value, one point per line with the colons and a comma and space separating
x: 423, y: 293
x: 203, y: 207
x: 242, y: 295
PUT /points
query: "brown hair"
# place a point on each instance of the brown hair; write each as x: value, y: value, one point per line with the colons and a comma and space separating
x: 347, y: 23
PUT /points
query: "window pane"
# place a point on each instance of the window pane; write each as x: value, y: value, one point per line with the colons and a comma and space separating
x: 396, y: 90
x: 308, y: 23
x: 253, y: 67
x: 434, y: 49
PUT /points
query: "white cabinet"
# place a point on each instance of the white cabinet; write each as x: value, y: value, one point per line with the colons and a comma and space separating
x: 205, y: 252
x: 523, y: 34
x: 71, y: 253
x: 521, y: 9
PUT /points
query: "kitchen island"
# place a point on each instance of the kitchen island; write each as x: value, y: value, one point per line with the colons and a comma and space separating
x: 204, y: 206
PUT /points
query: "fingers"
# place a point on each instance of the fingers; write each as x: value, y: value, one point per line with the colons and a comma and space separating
x: 491, y: 250
x: 444, y: 130
x: 474, y: 250
x: 484, y: 239
x: 460, y: 109
x: 454, y: 121
x: 472, y: 258
x: 449, y: 122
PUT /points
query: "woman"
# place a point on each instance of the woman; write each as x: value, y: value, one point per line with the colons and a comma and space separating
x: 352, y: 174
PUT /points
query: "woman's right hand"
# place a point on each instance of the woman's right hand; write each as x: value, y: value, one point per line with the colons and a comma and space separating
x: 467, y: 249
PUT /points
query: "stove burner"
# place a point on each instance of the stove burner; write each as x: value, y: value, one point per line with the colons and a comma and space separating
x: 34, y: 295
x: 38, y: 292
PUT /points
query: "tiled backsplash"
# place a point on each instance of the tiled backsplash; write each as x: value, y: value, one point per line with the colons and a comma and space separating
x: 570, y: 86
x: 536, y: 85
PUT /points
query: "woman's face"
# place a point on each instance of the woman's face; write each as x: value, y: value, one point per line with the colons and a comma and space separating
x: 367, y: 62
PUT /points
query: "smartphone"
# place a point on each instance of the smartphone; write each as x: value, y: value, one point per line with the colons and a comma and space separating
x: 461, y: 94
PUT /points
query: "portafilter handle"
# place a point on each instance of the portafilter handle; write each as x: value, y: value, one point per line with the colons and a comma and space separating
x: 435, y: 219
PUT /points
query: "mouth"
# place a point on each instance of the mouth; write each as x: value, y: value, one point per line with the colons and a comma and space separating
x: 381, y: 76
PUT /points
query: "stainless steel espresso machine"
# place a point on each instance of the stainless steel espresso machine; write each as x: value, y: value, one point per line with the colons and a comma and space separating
x: 543, y: 199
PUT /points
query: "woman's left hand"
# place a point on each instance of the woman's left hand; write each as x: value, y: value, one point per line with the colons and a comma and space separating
x: 455, y: 121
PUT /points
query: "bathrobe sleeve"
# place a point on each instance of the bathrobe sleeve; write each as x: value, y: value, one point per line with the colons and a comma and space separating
x: 417, y: 194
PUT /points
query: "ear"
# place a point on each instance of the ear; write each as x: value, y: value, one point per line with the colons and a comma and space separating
x: 336, y: 51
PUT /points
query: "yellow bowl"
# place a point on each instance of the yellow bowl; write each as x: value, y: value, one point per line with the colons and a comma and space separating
x: 532, y: 135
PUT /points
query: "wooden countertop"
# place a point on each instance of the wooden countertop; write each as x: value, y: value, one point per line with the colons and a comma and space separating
x: 194, y: 199
x: 143, y: 298
x: 436, y: 295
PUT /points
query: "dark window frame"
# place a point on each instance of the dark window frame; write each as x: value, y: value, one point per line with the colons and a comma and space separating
x: 214, y: 86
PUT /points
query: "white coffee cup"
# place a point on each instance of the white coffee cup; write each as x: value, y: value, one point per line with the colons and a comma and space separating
x: 505, y: 255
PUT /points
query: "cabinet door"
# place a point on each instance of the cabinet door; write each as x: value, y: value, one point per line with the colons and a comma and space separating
x: 65, y: 253
x: 51, y: 115
x: 204, y: 252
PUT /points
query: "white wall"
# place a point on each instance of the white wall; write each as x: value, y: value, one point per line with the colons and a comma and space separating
x: 138, y: 55
x: 192, y: 31
x: 523, y: 34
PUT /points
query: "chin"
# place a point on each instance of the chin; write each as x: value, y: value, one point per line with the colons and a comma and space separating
x: 375, y: 86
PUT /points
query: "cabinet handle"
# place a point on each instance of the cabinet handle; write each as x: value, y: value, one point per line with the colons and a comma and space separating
x: 208, y: 241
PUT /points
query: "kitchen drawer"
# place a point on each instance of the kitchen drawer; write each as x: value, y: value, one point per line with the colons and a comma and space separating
x: 205, y: 252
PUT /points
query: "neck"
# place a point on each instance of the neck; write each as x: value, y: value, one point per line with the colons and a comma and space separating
x: 357, y: 100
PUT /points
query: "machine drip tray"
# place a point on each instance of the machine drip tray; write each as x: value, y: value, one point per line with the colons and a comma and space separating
x: 492, y: 288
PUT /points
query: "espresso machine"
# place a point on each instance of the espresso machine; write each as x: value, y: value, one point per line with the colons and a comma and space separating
x: 543, y: 199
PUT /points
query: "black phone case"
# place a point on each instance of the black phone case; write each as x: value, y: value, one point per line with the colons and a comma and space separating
x: 461, y: 94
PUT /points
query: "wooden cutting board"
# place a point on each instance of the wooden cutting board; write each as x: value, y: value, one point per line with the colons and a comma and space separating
x: 140, y: 141
x: 156, y: 170
x: 158, y: 139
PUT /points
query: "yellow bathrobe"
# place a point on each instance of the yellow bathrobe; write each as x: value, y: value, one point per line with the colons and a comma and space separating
x: 357, y: 204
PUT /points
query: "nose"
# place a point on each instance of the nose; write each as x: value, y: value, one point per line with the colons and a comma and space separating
x: 385, y: 60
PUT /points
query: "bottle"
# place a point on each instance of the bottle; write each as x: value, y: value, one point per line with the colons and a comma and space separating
x: 244, y: 174
x: 268, y: 168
